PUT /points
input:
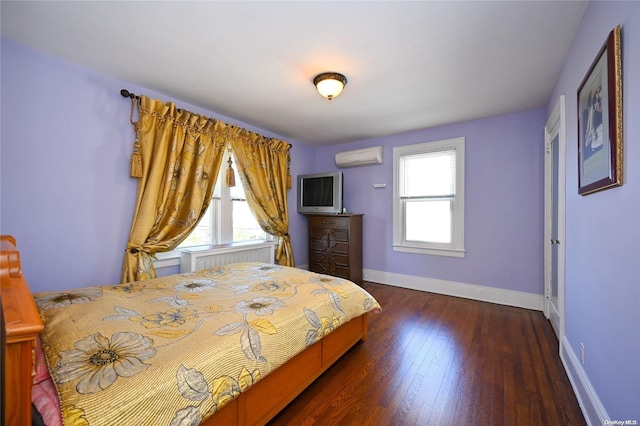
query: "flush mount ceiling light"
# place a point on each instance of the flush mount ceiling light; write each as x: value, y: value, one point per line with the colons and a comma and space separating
x: 330, y: 84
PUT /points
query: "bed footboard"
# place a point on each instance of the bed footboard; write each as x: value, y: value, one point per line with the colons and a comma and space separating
x: 266, y: 398
x: 22, y: 324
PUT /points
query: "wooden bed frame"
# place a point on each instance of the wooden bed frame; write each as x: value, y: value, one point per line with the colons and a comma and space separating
x: 254, y: 407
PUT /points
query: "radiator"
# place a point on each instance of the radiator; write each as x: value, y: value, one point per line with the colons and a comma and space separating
x: 194, y: 259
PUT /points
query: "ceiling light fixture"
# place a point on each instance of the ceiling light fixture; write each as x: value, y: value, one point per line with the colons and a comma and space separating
x: 330, y: 84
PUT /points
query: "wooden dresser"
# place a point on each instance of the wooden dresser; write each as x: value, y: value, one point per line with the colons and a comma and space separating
x: 335, y: 245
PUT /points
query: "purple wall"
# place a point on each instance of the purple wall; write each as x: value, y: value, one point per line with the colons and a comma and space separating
x: 65, y: 190
x: 67, y: 197
x: 503, y: 203
x: 603, y: 229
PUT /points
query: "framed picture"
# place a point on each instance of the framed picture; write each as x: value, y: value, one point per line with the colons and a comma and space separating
x: 600, y: 120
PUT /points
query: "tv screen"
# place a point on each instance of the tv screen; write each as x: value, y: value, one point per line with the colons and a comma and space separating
x: 320, y: 193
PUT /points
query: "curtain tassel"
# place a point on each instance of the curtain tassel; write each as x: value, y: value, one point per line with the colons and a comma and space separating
x: 136, y: 161
x: 231, y: 177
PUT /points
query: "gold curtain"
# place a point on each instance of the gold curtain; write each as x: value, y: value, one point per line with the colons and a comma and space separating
x: 263, y: 165
x: 181, y: 154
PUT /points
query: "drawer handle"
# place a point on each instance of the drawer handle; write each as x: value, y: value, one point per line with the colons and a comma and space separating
x: 328, y: 223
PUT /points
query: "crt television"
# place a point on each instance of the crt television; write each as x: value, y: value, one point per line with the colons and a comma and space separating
x: 320, y: 193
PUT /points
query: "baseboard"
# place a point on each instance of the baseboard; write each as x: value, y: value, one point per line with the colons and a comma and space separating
x: 592, y: 408
x: 469, y: 291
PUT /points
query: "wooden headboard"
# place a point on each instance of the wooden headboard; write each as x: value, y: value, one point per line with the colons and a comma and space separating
x: 21, y: 326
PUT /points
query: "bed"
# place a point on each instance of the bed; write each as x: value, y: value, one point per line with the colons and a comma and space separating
x: 217, y: 346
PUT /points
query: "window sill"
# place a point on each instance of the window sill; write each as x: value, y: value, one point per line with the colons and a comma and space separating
x: 450, y: 252
x: 167, y: 258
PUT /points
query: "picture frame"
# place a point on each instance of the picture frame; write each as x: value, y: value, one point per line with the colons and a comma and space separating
x: 600, y: 158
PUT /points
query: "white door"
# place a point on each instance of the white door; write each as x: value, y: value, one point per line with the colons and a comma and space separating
x: 554, y: 249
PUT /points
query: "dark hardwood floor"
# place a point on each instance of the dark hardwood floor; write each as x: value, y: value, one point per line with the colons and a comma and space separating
x: 440, y: 360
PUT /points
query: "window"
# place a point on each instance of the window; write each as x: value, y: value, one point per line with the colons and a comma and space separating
x: 428, y: 198
x: 228, y: 218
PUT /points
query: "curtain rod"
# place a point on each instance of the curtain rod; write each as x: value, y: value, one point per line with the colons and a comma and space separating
x: 126, y: 94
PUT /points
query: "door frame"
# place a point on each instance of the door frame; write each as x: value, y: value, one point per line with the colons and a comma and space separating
x: 555, y: 126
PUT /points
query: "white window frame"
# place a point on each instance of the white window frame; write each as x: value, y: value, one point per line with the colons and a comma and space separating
x: 456, y: 247
x: 221, y: 206
x: 222, y: 221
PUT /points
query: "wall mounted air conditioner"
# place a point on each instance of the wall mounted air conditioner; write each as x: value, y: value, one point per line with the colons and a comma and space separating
x: 359, y: 157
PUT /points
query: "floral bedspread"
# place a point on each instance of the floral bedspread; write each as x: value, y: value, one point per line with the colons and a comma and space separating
x: 174, y: 350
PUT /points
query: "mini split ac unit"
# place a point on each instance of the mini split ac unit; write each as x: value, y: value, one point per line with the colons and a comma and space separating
x: 359, y: 157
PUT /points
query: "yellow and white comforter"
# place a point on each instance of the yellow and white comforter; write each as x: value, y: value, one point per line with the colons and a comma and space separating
x: 174, y: 350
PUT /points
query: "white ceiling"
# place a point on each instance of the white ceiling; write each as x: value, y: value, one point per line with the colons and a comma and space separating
x: 409, y: 65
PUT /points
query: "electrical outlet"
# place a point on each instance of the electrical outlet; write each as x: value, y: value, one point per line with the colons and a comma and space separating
x: 582, y: 353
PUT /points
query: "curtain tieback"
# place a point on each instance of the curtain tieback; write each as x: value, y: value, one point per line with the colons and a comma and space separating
x: 136, y: 156
x: 134, y: 249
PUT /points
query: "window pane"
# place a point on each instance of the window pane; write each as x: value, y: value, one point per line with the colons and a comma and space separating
x: 428, y: 174
x: 217, y: 189
x: 201, y: 235
x: 245, y: 226
x: 428, y: 221
x: 237, y: 192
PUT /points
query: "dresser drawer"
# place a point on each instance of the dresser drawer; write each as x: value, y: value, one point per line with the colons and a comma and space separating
x: 329, y: 234
x: 329, y: 258
x: 329, y: 245
x: 329, y: 222
x: 323, y: 266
